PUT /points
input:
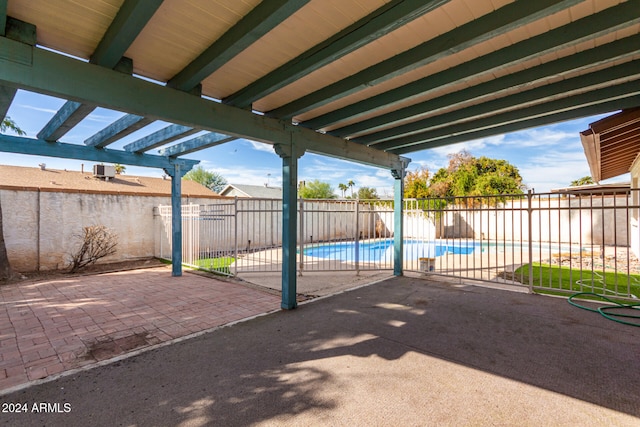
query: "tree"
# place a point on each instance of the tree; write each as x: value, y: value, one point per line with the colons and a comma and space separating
x: 350, y: 185
x: 119, y: 168
x: 467, y: 175
x: 212, y: 180
x: 585, y: 180
x: 317, y: 190
x: 342, y: 187
x: 5, y: 268
x: 367, y: 193
x: 416, y: 184
x: 8, y: 124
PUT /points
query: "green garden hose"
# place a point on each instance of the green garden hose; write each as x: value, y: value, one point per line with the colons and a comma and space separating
x: 605, y: 310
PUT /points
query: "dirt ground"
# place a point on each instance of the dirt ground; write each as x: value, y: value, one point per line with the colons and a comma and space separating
x: 92, y: 269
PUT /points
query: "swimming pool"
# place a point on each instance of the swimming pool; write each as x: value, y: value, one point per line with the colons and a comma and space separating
x: 381, y: 250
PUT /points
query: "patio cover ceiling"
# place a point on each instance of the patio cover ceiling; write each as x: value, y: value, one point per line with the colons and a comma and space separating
x: 612, y: 144
x: 366, y: 81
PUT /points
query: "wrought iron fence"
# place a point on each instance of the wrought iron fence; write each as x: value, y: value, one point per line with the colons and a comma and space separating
x: 569, y: 242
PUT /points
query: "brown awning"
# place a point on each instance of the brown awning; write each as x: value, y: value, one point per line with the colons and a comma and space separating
x: 612, y: 144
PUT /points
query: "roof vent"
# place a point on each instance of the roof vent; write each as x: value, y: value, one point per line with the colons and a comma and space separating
x: 104, y: 171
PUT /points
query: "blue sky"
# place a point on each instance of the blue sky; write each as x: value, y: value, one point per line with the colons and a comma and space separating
x: 547, y: 157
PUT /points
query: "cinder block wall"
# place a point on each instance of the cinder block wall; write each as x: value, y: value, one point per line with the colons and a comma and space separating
x: 41, y: 228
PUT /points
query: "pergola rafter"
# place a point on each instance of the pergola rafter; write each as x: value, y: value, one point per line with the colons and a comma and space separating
x: 609, y: 52
x: 196, y: 144
x: 526, y: 122
x: 159, y: 138
x: 378, y: 23
x: 482, y: 29
x: 262, y: 19
x: 130, y: 20
x: 597, y: 96
x: 590, y: 27
x: 541, y: 95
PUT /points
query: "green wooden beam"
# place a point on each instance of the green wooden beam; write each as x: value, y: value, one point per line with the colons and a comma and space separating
x: 43, y: 71
x: 588, y: 28
x: 131, y: 18
x: 617, y: 50
x: 378, y: 23
x: 159, y: 138
x: 484, y: 28
x: 125, y: 27
x: 38, y: 147
x: 262, y: 19
x: 3, y: 17
x: 69, y: 115
x: 540, y: 95
x: 20, y: 31
x: 119, y: 129
x: 527, y: 122
x: 596, y: 96
x: 6, y: 98
x: 196, y: 144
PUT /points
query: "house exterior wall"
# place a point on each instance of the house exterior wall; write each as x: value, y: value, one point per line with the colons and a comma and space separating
x: 41, y: 227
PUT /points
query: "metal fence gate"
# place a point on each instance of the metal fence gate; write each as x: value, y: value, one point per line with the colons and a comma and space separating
x: 571, y: 242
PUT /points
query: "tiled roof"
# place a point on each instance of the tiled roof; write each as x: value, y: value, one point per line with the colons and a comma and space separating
x: 18, y: 177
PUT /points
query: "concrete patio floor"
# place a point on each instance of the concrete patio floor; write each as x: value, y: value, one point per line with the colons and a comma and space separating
x: 402, y: 351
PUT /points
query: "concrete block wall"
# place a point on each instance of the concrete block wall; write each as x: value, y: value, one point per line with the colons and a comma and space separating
x: 41, y: 228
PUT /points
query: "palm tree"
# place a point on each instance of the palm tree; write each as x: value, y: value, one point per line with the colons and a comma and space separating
x: 342, y: 188
x: 351, y: 184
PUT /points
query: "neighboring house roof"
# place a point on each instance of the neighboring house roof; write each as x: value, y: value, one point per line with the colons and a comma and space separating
x: 25, y: 178
x: 255, y: 191
x: 612, y: 144
x: 617, y: 188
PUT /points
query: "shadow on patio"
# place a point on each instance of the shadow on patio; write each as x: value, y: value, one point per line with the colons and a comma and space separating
x: 403, y: 350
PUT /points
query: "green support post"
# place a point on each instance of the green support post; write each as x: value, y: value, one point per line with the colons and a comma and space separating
x: 289, y: 154
x: 176, y: 173
x: 398, y: 199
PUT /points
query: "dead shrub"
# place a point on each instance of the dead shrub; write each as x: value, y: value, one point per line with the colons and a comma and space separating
x: 97, y: 241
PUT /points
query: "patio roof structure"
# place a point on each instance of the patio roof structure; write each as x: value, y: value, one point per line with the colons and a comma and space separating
x: 612, y: 144
x: 367, y: 81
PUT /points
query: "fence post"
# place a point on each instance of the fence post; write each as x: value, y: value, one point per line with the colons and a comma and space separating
x: 301, y: 235
x: 357, y: 249
x: 530, y: 237
x: 235, y: 235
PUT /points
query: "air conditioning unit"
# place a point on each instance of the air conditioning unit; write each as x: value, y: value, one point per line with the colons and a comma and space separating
x: 104, y: 171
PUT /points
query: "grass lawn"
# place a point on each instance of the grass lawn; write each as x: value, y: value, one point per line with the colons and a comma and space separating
x: 551, y: 277
x: 217, y: 264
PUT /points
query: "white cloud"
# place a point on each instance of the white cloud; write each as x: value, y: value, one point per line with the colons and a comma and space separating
x: 554, y: 169
x: 261, y: 146
x: 41, y: 109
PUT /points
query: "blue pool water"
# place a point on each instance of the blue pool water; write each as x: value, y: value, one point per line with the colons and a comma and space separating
x: 380, y: 250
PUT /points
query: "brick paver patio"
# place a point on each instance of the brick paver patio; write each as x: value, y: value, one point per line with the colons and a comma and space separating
x: 51, y: 326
